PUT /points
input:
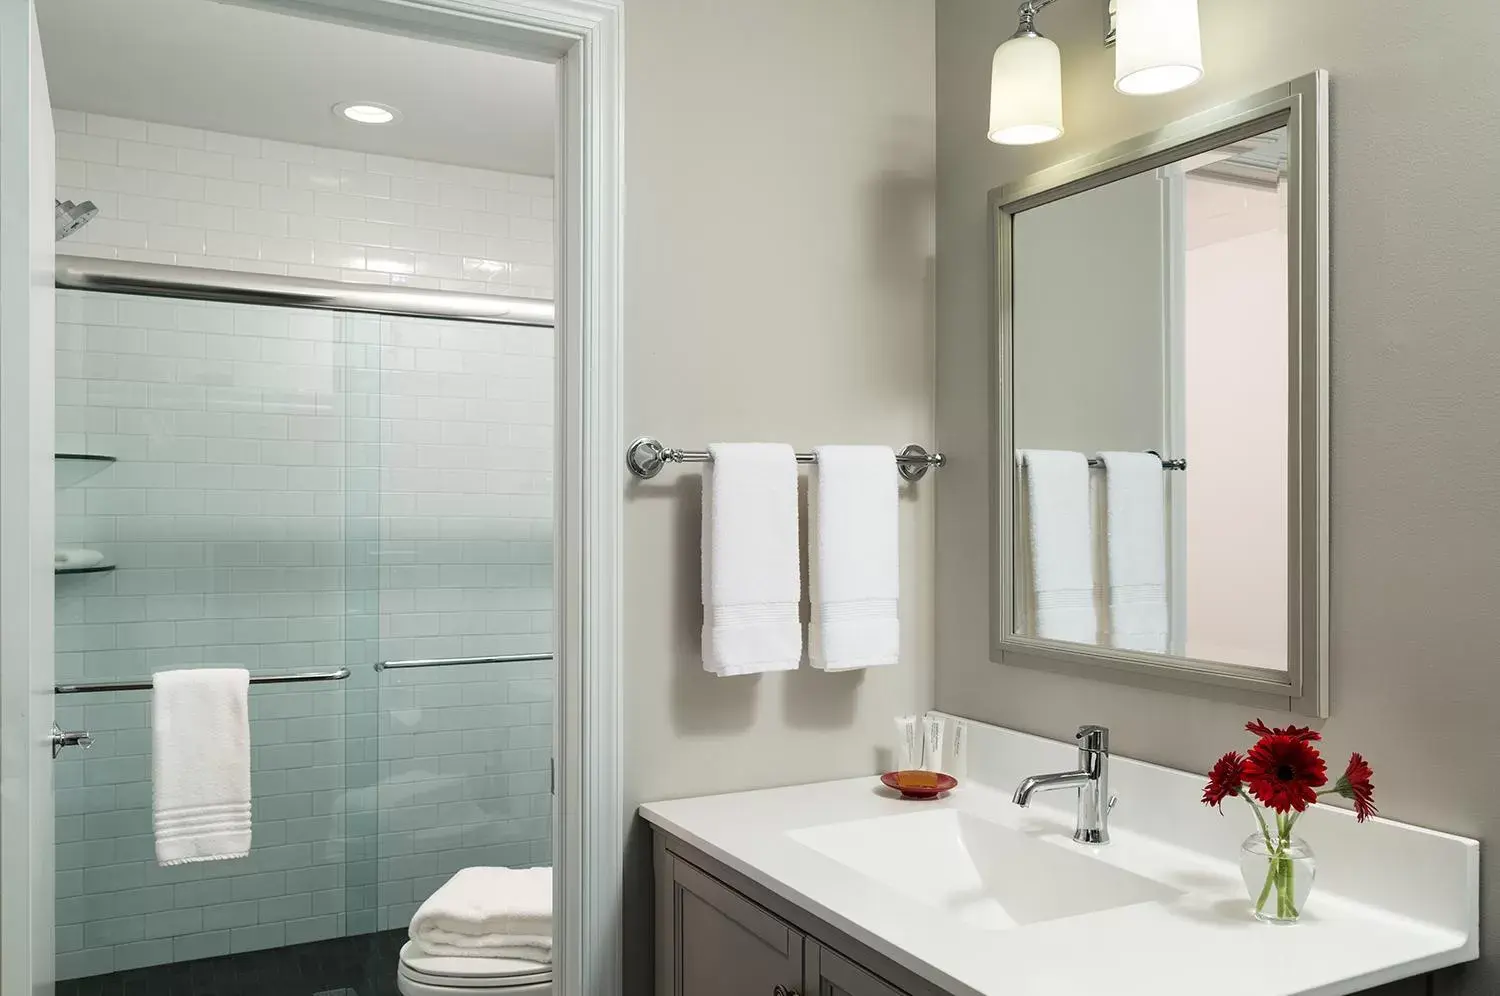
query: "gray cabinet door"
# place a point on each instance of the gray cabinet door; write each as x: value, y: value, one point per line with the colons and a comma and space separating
x: 715, y: 942
x: 831, y: 974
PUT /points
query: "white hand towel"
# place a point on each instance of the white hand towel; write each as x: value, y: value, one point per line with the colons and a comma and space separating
x: 752, y: 570
x: 1061, y: 533
x: 855, y: 578
x: 488, y: 913
x: 1135, y: 511
x: 200, y: 764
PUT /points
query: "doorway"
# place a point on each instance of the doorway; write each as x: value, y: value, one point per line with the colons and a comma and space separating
x: 388, y: 623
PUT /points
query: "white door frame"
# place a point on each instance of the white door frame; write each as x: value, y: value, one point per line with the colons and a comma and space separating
x: 583, y: 37
x: 27, y: 441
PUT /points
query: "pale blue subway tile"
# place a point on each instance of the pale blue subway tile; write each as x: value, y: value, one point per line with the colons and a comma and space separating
x: 208, y: 944
x: 138, y: 955
x: 257, y: 938
x: 317, y: 928
x: 115, y: 930
x: 226, y: 915
x: 171, y: 923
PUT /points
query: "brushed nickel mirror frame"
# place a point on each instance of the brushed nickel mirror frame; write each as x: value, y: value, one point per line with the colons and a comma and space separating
x: 1301, y: 106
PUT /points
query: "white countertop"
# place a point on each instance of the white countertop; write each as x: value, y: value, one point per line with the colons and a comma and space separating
x: 1202, y: 940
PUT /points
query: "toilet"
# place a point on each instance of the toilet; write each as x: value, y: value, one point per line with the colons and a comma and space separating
x: 433, y: 975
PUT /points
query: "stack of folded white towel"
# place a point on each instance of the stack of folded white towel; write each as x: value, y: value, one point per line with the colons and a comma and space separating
x: 489, y: 913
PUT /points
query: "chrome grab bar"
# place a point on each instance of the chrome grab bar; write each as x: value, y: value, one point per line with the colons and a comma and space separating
x: 460, y: 661
x: 255, y: 679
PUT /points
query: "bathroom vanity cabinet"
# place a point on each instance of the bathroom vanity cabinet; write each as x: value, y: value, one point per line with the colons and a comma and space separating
x: 720, y: 934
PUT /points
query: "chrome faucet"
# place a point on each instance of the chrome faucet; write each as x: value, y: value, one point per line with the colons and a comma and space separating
x: 1091, y: 780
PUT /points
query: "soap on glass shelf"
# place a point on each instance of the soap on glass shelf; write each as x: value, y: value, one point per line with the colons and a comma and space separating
x: 76, y: 558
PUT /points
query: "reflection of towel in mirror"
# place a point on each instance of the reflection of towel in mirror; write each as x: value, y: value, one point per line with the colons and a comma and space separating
x: 1137, y: 551
x: 1060, y: 536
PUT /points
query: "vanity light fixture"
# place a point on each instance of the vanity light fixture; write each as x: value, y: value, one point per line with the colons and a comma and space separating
x: 1157, y: 46
x: 367, y: 112
x: 1157, y: 50
x: 1026, y: 85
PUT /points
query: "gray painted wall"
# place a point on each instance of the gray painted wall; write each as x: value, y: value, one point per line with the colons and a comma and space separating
x: 1416, y: 458
x: 780, y: 170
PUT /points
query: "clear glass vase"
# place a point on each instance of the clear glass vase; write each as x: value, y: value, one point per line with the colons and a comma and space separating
x: 1278, y: 874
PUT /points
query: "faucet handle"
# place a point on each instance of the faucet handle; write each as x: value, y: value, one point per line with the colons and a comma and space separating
x: 1093, y: 737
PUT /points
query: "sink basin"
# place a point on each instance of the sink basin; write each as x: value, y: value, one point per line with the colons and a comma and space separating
x: 987, y: 875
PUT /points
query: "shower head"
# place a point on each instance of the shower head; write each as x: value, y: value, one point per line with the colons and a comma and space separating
x: 71, y: 217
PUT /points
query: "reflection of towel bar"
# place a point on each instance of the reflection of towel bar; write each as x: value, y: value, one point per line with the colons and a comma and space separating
x: 1166, y: 464
x: 255, y: 679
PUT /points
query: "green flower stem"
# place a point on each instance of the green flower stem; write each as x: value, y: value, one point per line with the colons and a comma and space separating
x: 1261, y: 819
x: 1265, y: 890
x: 1280, y: 868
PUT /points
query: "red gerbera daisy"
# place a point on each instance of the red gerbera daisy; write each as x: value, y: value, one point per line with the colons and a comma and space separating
x: 1225, y: 780
x: 1356, y: 784
x: 1284, y: 772
x: 1294, y: 732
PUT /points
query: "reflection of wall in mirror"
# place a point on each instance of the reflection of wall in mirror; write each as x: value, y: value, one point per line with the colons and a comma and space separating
x: 1236, y: 429
x: 1089, y: 343
x: 1088, y: 300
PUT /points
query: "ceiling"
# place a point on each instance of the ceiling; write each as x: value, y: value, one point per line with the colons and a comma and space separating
x: 205, y: 64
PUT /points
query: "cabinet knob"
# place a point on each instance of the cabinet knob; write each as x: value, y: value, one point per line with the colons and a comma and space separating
x: 784, y: 991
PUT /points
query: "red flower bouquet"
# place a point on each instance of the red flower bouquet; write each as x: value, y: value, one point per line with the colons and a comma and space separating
x: 1284, y: 773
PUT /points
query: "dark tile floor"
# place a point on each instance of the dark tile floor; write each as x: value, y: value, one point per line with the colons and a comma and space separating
x: 364, y: 965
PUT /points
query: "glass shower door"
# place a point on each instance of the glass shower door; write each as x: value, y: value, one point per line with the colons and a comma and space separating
x: 302, y: 492
x: 230, y: 531
x: 465, y: 594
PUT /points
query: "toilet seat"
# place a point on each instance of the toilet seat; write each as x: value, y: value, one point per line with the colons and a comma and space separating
x: 421, y: 973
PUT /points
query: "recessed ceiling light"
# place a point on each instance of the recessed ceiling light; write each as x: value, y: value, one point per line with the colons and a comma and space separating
x: 366, y: 112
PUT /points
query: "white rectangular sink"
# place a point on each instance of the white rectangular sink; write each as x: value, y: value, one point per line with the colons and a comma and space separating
x: 988, y: 876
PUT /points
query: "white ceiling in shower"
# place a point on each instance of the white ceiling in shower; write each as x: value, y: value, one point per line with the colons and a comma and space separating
x: 220, y: 66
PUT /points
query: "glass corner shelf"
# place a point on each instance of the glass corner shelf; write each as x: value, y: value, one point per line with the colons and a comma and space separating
x: 96, y: 569
x: 73, y: 468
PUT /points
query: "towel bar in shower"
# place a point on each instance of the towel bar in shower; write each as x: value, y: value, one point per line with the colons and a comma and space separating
x: 255, y: 679
x: 646, y: 457
x: 460, y: 661
x: 1167, y: 463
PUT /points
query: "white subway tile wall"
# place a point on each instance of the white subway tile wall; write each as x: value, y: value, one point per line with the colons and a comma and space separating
x: 201, y: 198
x: 302, y: 490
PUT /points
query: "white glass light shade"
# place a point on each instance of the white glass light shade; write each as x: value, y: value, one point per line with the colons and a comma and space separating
x: 1157, y: 48
x: 1026, y: 92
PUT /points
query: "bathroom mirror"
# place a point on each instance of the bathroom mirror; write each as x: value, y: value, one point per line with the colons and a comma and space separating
x: 1161, y: 405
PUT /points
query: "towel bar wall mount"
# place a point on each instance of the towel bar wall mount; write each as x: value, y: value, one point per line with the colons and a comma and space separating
x: 647, y: 456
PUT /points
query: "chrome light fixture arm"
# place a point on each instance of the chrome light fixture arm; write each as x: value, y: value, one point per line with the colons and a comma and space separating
x: 1028, y: 12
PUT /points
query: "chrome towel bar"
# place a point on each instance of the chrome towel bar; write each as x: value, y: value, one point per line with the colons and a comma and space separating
x: 255, y: 679
x: 646, y: 457
x: 460, y: 661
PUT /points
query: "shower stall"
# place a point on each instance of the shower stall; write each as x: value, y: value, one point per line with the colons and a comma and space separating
x: 347, y: 490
